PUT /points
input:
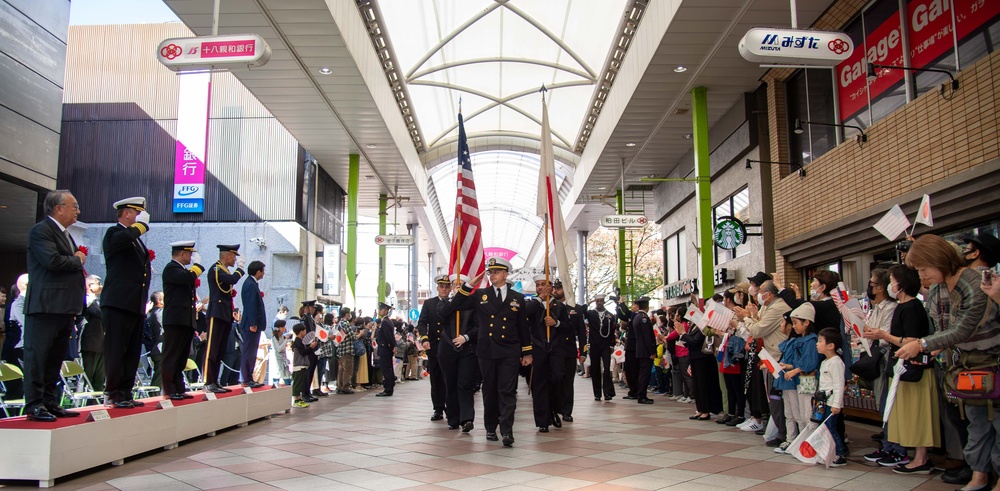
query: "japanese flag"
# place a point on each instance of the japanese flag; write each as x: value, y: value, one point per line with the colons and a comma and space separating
x: 817, y: 447
x: 323, y: 334
x: 719, y: 317
x: 924, y: 215
x: 692, y: 311
x: 339, y: 338
x: 770, y: 363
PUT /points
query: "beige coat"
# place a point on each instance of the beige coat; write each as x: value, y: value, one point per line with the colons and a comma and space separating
x: 768, y: 327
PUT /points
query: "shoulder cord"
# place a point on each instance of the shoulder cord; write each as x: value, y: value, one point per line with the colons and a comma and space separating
x: 605, y: 333
x: 217, y: 265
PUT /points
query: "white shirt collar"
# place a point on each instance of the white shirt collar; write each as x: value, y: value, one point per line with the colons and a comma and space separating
x: 61, y: 228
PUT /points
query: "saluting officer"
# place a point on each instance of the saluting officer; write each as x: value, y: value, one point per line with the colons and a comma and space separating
x: 220, y: 311
x: 123, y: 301
x: 430, y: 325
x: 574, y: 343
x: 504, y: 342
x: 179, y: 316
x: 548, y: 354
x: 600, y: 339
x: 645, y: 348
x: 385, y: 337
x: 457, y: 356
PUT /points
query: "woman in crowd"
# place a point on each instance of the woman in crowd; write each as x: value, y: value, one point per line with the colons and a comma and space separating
x: 734, y: 375
x: 683, y: 390
x: 961, y: 317
x: 704, y: 374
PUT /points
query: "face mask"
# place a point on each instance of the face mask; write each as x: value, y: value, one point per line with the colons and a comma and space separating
x: 760, y: 298
x: 281, y: 316
x: 813, y: 294
x: 969, y: 261
x: 892, y: 293
x: 870, y: 292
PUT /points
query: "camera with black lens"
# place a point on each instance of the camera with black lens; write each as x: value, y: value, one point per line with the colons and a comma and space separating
x: 904, y: 245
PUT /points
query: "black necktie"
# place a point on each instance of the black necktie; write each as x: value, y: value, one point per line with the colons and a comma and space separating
x: 499, y: 295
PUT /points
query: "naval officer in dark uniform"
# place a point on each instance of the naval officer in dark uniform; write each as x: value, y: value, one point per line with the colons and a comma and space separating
x: 385, y: 337
x: 220, y: 311
x: 602, y: 326
x: 430, y: 326
x: 645, y: 348
x: 123, y: 300
x: 548, y: 354
x: 573, y: 341
x: 504, y: 343
x: 179, y: 316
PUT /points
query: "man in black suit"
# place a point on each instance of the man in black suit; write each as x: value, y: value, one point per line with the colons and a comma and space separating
x: 254, y: 322
x: 573, y: 342
x: 645, y: 348
x: 430, y: 326
x: 549, y: 325
x: 123, y: 301
x: 55, y: 296
x: 221, y: 284
x: 385, y: 336
x: 152, y: 337
x: 504, y: 343
x: 179, y: 316
x: 92, y: 335
x: 601, y: 339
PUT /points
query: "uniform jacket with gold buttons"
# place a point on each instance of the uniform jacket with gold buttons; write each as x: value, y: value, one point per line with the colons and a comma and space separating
x: 441, y: 319
x: 503, y: 326
x: 126, y: 286
x: 551, y: 341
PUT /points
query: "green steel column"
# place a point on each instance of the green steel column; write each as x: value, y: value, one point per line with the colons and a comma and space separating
x: 383, y: 214
x: 703, y: 191
x: 622, y: 280
x: 353, y: 181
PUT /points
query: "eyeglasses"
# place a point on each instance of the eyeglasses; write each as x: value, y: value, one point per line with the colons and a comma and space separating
x: 76, y: 206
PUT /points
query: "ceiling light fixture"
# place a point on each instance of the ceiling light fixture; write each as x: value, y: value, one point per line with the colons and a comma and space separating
x: 325, y: 71
x: 687, y: 136
x: 680, y: 69
x: 369, y: 177
x: 630, y: 144
x: 371, y: 145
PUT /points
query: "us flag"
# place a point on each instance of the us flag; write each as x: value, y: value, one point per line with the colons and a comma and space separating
x: 467, y: 239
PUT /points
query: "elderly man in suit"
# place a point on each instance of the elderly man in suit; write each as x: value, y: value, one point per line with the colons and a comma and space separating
x: 123, y: 300
x: 55, y: 296
x: 179, y: 316
x: 253, y: 323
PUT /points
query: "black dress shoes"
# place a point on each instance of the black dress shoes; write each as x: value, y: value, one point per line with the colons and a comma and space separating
x: 645, y: 401
x: 136, y: 403
x: 568, y: 418
x: 61, y: 413
x: 555, y: 420
x: 543, y: 429
x: 176, y: 397
x: 958, y: 475
x: 384, y: 394
x: 437, y: 416
x: 598, y: 399
x: 41, y: 415
x: 452, y: 427
x: 309, y: 398
x: 608, y: 398
x: 215, y: 388
x: 508, y: 440
x: 629, y: 398
x: 320, y: 393
x: 255, y: 385
x: 467, y: 426
x: 121, y: 404
x: 491, y: 436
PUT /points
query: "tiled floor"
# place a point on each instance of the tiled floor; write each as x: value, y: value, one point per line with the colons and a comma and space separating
x: 363, y: 442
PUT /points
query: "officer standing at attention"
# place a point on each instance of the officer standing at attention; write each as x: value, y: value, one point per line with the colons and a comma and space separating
x: 385, y: 337
x: 600, y: 339
x: 549, y: 327
x: 573, y: 342
x: 179, y: 316
x: 123, y: 300
x: 220, y: 311
x: 430, y: 325
x: 504, y: 342
x: 645, y: 348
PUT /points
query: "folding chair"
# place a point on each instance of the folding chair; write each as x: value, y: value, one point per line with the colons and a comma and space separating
x: 191, y: 365
x: 143, y: 386
x: 9, y: 373
x: 76, y: 385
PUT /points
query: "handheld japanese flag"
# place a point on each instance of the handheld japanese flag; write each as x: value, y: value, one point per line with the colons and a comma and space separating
x: 691, y: 312
x: 698, y: 318
x: 893, y: 223
x: 817, y: 447
x: 323, y: 334
x: 770, y: 363
x: 339, y: 338
x: 854, y: 315
x: 719, y: 317
x: 924, y: 215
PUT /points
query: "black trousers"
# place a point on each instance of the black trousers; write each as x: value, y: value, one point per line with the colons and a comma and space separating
x: 600, y: 371
x: 707, y: 393
x: 644, y: 367
x: 631, y: 372
x: 218, y: 333
x: 458, y: 370
x: 436, y: 376
x: 569, y: 377
x: 385, y: 366
x: 46, y: 337
x: 248, y: 355
x: 547, y: 370
x: 174, y: 357
x: 122, y: 347
x: 499, y: 392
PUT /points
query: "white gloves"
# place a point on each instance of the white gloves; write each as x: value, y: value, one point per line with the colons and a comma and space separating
x: 195, y: 258
x: 241, y: 263
x: 143, y: 217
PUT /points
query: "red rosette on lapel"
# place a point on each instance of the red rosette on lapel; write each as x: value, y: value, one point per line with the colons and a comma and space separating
x: 152, y: 254
x: 197, y: 282
x: 261, y: 294
x: 234, y: 293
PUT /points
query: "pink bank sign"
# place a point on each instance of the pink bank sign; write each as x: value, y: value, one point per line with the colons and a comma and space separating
x: 500, y: 252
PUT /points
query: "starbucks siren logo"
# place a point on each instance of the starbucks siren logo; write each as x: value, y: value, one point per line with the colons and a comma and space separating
x: 729, y: 233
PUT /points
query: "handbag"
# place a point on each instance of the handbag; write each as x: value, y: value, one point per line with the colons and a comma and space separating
x: 973, y: 379
x: 867, y: 367
x: 807, y: 384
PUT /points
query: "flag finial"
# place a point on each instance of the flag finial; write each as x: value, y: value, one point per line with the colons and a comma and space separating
x: 459, y: 104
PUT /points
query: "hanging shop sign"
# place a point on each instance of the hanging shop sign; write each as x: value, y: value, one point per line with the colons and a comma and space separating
x: 791, y: 46
x: 729, y: 233
x: 624, y: 221
x: 213, y: 51
x: 394, y: 240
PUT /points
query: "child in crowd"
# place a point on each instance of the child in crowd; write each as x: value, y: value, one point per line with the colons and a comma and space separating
x: 831, y: 383
x: 799, y: 360
x: 279, y: 343
x: 300, y: 366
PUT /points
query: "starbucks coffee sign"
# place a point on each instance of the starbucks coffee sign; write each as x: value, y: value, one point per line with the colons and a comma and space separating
x: 729, y: 233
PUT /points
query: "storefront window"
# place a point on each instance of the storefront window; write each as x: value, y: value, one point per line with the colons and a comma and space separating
x: 808, y: 98
x: 674, y: 261
x: 931, y: 32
